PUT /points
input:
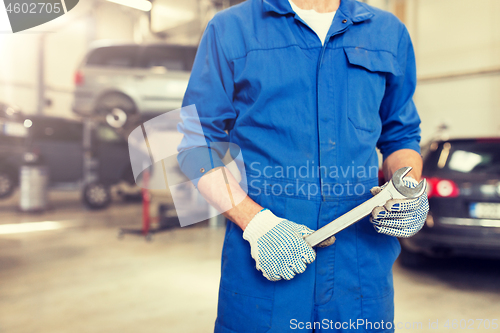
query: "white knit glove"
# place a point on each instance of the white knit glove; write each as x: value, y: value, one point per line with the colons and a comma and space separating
x: 278, y: 246
x: 400, y: 217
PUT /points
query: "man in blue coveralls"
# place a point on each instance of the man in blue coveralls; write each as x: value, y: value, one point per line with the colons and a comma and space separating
x: 308, y: 89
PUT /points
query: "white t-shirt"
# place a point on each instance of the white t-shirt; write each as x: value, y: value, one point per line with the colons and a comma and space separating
x: 319, y: 22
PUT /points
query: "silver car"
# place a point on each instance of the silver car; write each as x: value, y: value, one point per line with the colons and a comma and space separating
x: 118, y: 82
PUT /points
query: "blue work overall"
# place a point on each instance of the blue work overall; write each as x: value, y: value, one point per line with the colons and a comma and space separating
x: 263, y: 80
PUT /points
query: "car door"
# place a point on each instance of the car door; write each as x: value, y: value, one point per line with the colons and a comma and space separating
x: 111, y: 152
x: 110, y: 68
x: 59, y: 143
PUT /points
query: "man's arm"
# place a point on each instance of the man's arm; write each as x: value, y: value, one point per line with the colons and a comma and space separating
x: 399, y: 144
x: 228, y: 197
x: 211, y: 88
x: 400, y: 137
x: 403, y: 158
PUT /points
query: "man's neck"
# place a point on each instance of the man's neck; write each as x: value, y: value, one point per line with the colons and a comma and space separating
x: 321, y: 6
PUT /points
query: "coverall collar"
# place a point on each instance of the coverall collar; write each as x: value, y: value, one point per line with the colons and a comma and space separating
x: 353, y: 10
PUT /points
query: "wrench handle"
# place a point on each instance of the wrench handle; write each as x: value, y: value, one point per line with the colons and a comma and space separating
x: 349, y: 218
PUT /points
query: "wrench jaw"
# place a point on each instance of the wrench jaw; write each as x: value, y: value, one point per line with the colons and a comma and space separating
x: 405, y: 191
x: 395, y: 189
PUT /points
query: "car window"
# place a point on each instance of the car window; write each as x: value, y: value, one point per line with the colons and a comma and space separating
x: 468, y: 157
x: 172, y: 58
x: 56, y: 130
x: 113, y: 56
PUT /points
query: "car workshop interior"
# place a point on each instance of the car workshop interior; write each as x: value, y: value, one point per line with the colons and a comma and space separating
x: 87, y: 245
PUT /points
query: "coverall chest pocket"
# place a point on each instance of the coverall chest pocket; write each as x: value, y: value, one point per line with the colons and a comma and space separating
x: 366, y: 78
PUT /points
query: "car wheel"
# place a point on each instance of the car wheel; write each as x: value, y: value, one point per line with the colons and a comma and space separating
x: 118, y: 109
x: 411, y: 259
x: 96, y: 196
x: 6, y: 185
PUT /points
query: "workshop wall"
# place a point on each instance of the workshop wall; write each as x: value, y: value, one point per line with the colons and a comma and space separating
x: 18, y: 68
x: 457, y: 45
x: 66, y: 42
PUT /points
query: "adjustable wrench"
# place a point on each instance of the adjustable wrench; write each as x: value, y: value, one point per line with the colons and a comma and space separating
x: 395, y: 189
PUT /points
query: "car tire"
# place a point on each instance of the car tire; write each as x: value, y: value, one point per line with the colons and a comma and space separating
x: 411, y: 259
x: 118, y: 109
x: 96, y: 196
x: 7, y: 185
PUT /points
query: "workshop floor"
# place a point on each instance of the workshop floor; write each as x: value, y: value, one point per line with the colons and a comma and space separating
x: 81, y: 278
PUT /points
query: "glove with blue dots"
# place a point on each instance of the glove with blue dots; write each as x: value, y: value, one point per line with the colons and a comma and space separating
x: 278, y: 246
x: 400, y: 217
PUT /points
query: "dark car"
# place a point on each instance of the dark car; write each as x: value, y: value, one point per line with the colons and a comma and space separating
x: 59, y: 144
x: 464, y: 198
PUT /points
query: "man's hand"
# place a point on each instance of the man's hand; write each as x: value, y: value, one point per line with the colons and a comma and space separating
x: 402, y: 217
x: 278, y: 246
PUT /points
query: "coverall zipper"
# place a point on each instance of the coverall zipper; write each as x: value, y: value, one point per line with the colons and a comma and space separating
x: 320, y: 60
